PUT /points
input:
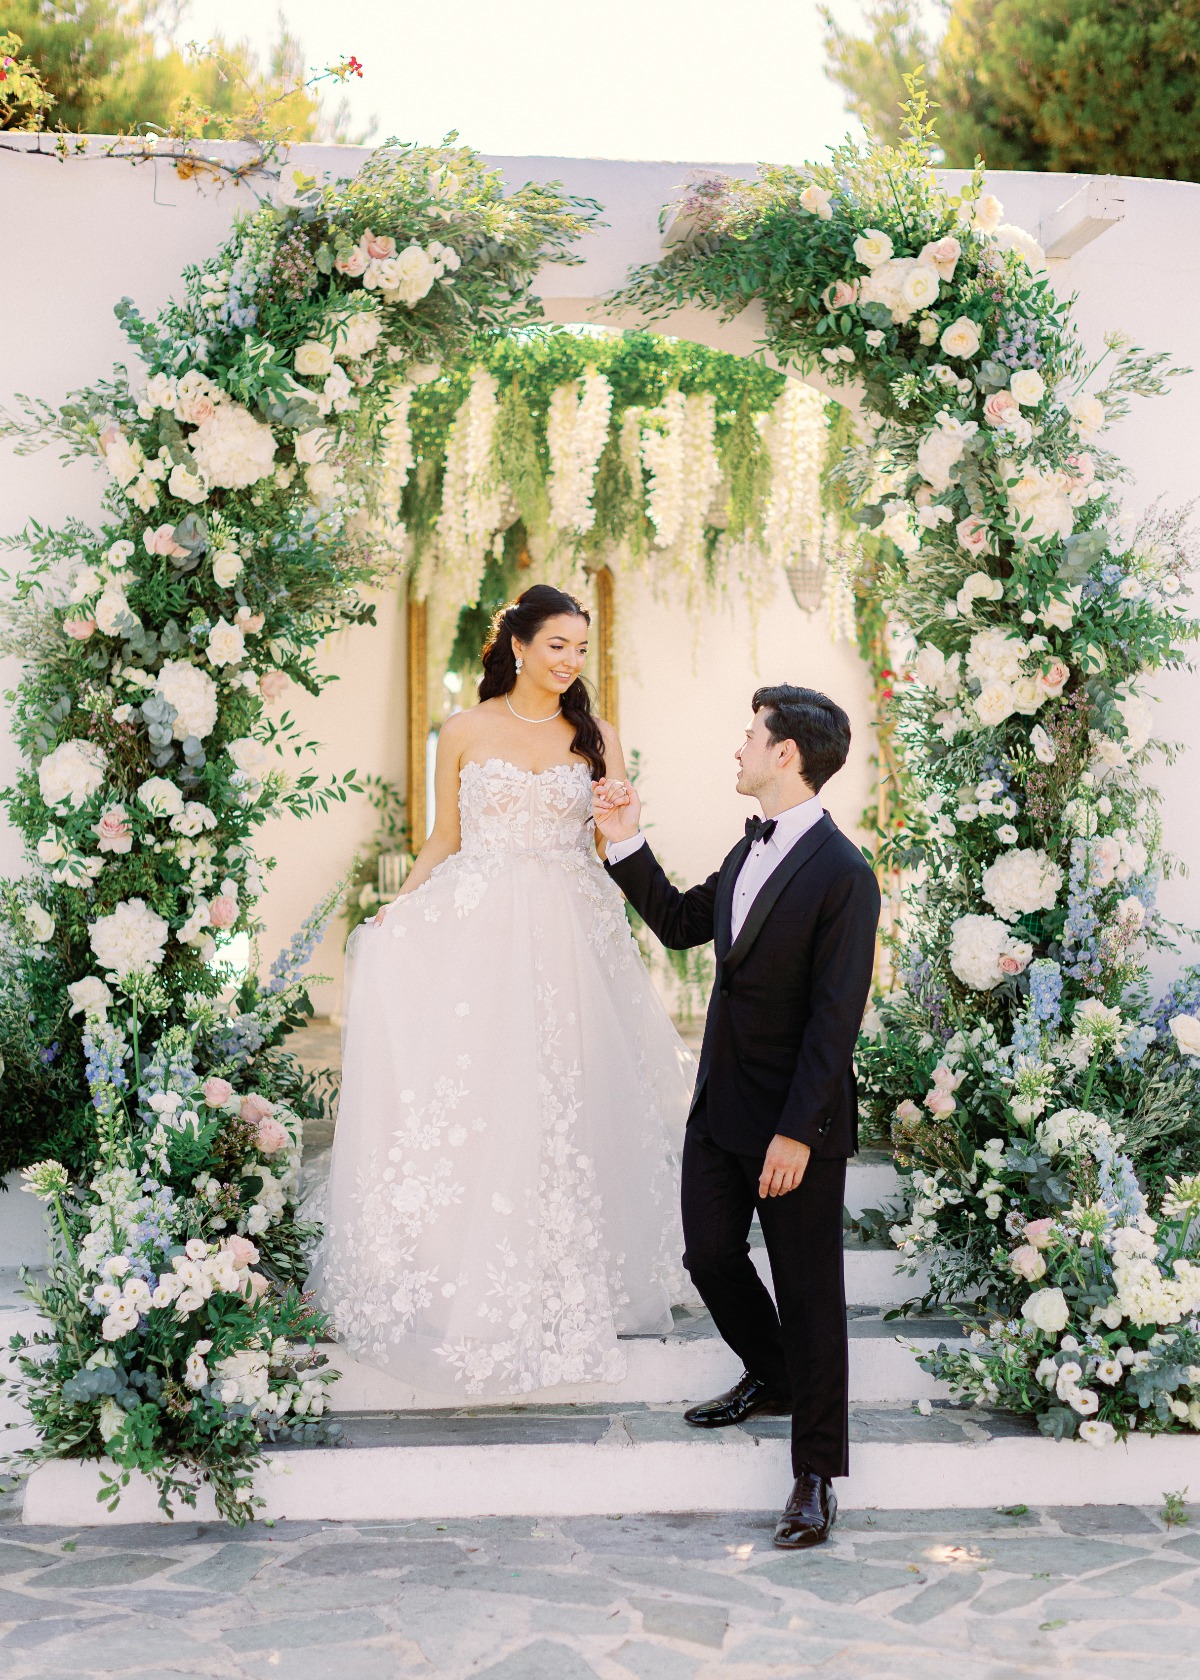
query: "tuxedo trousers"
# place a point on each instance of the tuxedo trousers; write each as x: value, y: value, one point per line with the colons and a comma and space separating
x: 796, y: 1344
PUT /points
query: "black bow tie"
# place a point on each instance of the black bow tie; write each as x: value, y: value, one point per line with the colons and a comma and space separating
x: 758, y: 829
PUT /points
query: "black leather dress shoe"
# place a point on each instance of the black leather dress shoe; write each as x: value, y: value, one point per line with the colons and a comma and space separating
x: 743, y: 1400
x: 808, y: 1515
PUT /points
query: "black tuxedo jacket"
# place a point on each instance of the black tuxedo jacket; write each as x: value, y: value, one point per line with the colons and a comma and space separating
x: 789, y: 993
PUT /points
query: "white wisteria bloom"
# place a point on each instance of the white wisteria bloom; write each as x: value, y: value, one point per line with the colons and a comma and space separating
x: 576, y: 432
x: 471, y: 497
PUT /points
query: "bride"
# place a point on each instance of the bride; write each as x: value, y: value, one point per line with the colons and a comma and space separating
x: 502, y: 1196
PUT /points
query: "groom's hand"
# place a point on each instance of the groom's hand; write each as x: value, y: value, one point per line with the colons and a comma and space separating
x: 783, y: 1167
x: 616, y: 808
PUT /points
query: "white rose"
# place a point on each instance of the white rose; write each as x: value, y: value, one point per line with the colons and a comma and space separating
x: 322, y: 481
x: 1138, y: 720
x: 186, y: 485
x: 994, y: 703
x: 873, y: 247
x: 1059, y: 614
x: 250, y: 757
x: 1028, y: 387
x: 72, y: 773
x: 413, y: 272
x: 961, y: 338
x: 131, y: 939
x: 1185, y: 1030
x: 1046, y: 1310
x: 160, y: 390
x: 920, y: 287
x: 982, y: 214
x: 927, y: 330
x: 161, y: 797
x: 226, y: 567
x: 817, y: 201
x: 1010, y: 238
x: 357, y: 334
x: 1088, y: 413
x: 226, y: 644
x: 193, y: 694
x: 313, y: 445
x: 313, y: 360
x: 112, y: 610
x: 40, y: 921
x: 89, y: 996
x: 123, y: 459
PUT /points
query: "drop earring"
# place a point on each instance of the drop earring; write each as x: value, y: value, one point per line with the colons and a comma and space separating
x: 520, y: 666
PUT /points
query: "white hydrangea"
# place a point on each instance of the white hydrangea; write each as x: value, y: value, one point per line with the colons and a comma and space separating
x: 232, y: 448
x: 193, y: 694
x: 1020, y: 882
x: 72, y: 773
x: 983, y: 952
x: 1071, y: 1128
x: 132, y: 939
x: 995, y: 656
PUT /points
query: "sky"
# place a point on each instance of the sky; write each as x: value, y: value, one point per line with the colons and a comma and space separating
x: 701, y: 80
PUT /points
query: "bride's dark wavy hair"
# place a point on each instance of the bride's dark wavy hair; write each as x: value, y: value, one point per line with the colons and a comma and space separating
x: 523, y: 618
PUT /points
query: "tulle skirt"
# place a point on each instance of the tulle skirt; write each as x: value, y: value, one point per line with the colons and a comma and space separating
x: 503, y: 1193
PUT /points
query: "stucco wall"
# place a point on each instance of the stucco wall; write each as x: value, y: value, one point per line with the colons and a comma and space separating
x: 80, y: 235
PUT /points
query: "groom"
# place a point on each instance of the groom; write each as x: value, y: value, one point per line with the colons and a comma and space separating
x: 792, y: 912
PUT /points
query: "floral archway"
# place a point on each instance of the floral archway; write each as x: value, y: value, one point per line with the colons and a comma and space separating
x: 1020, y: 1046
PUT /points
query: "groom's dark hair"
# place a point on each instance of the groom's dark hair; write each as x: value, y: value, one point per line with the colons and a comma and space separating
x: 820, y: 729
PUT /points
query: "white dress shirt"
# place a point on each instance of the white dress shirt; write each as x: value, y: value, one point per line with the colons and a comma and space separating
x: 762, y: 860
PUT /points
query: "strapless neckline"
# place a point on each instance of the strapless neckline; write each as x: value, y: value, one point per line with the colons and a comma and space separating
x: 519, y: 770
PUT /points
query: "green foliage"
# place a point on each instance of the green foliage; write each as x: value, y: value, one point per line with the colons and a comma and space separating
x: 1087, y: 86
x: 101, y: 67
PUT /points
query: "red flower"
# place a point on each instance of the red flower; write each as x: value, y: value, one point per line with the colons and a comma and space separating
x: 355, y: 67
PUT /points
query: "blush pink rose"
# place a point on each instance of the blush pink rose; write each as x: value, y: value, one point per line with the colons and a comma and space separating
x: 1001, y: 408
x: 256, y: 1285
x: 354, y: 264
x: 109, y: 436
x: 222, y: 911
x: 79, y: 629
x: 942, y: 255
x: 840, y: 295
x: 973, y: 534
x: 1027, y: 1263
x: 1037, y: 1232
x: 940, y: 1102
x: 1010, y: 965
x: 272, y: 1136
x: 250, y: 622
x: 1053, y: 678
x: 908, y: 1111
x: 271, y: 684
x: 240, y: 1250
x: 162, y: 541
x: 255, y: 1107
x: 378, y: 245
x: 217, y: 1092
x: 113, y: 833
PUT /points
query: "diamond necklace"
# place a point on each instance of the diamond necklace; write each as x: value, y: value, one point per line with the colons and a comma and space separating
x: 524, y: 719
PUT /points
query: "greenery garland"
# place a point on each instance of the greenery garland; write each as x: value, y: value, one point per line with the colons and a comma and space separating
x: 242, y: 515
x: 1019, y: 1062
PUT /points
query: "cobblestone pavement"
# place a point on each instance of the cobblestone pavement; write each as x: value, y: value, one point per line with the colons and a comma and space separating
x: 1110, y: 1593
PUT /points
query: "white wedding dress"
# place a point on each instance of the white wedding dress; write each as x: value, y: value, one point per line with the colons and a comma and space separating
x: 503, y: 1195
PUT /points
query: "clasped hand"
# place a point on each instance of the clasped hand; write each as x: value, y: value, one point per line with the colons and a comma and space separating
x: 616, y: 808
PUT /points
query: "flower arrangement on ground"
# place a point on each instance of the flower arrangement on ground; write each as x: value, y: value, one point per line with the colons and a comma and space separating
x: 1020, y: 1020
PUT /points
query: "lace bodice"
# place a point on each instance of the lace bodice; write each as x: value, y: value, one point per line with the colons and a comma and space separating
x: 503, y: 808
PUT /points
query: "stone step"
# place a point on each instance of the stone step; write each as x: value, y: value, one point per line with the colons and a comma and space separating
x: 688, y: 1365
x: 570, y: 1461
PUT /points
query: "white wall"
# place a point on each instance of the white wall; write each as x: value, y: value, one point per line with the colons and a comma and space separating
x: 80, y: 235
